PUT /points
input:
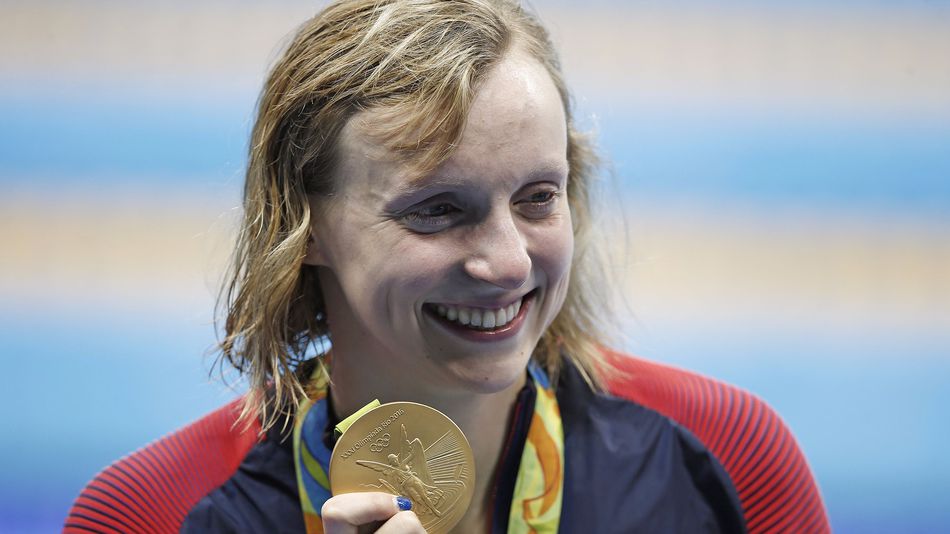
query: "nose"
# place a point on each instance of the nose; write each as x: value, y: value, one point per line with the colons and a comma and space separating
x: 499, y: 253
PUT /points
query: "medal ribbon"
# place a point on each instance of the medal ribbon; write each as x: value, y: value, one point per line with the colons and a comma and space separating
x: 536, y: 505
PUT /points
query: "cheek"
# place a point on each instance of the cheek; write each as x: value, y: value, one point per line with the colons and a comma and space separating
x: 420, y: 263
x: 554, y: 253
x: 560, y: 272
x: 402, y: 274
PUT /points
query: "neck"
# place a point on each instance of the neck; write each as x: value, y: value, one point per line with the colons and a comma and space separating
x: 486, y: 426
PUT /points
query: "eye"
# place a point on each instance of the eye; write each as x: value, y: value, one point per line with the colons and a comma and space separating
x: 431, y: 218
x: 539, y: 203
x: 542, y: 197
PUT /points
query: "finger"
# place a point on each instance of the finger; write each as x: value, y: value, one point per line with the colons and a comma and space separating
x: 341, y: 514
x: 402, y: 523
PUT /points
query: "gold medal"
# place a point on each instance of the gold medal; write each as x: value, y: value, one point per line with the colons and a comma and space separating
x: 408, y: 449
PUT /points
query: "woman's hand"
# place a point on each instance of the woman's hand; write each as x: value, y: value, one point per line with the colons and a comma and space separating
x: 377, y: 512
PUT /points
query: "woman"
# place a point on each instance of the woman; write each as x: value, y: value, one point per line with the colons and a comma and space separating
x: 416, y: 209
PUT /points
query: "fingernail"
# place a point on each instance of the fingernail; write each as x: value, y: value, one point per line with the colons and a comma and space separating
x: 403, y: 503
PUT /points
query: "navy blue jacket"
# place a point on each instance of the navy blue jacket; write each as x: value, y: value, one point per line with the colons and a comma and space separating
x: 667, y: 451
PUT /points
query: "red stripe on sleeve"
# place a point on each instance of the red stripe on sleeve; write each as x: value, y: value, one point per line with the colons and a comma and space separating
x: 97, y: 500
x: 153, y: 489
x: 776, y: 487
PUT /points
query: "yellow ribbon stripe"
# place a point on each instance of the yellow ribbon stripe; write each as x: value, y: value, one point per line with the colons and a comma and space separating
x: 536, y: 508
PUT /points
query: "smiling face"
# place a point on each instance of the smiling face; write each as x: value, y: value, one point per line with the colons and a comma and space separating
x: 448, y: 281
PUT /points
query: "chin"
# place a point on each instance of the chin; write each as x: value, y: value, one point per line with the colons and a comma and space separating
x: 488, y: 377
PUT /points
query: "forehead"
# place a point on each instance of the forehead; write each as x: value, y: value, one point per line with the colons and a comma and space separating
x: 516, y: 126
x: 517, y: 95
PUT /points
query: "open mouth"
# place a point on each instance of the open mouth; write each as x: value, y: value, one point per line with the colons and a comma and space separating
x: 482, y: 320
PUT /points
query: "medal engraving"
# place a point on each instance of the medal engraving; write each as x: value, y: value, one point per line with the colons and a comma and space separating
x: 411, y: 450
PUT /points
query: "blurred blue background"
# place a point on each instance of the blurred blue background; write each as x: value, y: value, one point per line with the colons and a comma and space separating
x: 781, y: 220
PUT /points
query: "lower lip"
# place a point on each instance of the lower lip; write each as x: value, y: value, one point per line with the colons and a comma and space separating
x: 508, y: 331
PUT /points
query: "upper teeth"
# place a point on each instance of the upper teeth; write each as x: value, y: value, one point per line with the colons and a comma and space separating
x: 480, y: 317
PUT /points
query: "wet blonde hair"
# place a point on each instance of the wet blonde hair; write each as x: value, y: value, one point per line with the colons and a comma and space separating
x: 417, y: 64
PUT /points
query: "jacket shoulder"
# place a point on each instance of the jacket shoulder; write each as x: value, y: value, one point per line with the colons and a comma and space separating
x: 154, y: 488
x: 776, y: 488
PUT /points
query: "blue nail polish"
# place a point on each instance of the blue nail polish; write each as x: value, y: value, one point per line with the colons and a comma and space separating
x: 403, y: 503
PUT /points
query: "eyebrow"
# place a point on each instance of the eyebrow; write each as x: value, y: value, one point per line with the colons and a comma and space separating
x: 414, y: 186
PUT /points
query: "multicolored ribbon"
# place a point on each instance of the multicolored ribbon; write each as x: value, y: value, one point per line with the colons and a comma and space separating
x: 536, y: 505
x: 311, y: 455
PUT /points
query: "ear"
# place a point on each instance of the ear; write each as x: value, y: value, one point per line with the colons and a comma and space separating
x: 316, y: 253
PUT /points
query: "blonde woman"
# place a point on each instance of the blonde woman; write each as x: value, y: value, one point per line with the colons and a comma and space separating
x: 415, y: 229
